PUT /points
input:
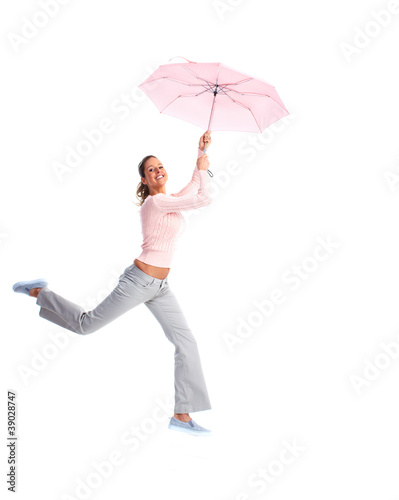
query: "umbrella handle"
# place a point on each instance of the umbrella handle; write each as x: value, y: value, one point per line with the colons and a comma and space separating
x: 175, y: 57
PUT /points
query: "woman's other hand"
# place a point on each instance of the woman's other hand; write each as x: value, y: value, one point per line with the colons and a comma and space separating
x: 206, y: 137
x: 203, y: 162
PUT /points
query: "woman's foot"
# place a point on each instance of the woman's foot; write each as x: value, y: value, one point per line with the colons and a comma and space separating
x: 183, y: 417
x: 31, y: 287
x: 189, y: 427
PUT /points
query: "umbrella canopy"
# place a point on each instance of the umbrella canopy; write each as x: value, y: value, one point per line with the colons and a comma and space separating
x: 214, y: 96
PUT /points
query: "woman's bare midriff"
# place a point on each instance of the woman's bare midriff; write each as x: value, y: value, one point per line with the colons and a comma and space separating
x: 156, y: 272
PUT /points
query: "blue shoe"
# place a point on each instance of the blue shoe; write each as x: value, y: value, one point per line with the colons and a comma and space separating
x: 26, y: 286
x: 190, y: 427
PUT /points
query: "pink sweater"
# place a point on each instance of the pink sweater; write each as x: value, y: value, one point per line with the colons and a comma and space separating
x: 161, y: 220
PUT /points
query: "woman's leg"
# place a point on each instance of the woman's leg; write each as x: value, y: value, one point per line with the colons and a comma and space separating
x: 50, y: 316
x: 54, y: 318
x: 132, y: 290
x: 190, y: 388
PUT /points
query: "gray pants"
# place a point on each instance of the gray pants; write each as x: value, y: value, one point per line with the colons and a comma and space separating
x: 134, y: 288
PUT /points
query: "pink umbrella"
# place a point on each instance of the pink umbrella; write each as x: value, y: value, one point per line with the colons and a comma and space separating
x: 214, y: 97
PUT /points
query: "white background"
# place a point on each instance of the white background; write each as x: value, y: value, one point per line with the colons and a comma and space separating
x: 322, y: 174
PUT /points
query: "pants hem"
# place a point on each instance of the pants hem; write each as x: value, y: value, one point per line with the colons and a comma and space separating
x: 192, y: 409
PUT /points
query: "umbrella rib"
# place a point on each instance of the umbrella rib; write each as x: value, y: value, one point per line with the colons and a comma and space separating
x: 239, y: 82
x: 198, y: 77
x: 211, y: 84
x: 174, y: 80
x: 249, y: 93
x: 181, y: 95
x: 206, y: 90
x: 207, y: 86
x: 249, y: 109
x: 254, y: 94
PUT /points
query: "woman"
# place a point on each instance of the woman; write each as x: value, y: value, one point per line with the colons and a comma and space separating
x: 145, y: 281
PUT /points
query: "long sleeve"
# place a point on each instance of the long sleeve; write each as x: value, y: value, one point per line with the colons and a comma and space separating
x: 167, y: 203
x: 194, y: 184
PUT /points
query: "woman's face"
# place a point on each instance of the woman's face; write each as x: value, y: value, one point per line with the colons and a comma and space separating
x: 155, y: 175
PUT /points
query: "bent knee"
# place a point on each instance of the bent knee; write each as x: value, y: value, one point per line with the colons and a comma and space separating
x: 86, y: 326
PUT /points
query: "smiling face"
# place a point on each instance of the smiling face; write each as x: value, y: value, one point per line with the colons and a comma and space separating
x: 155, y: 176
